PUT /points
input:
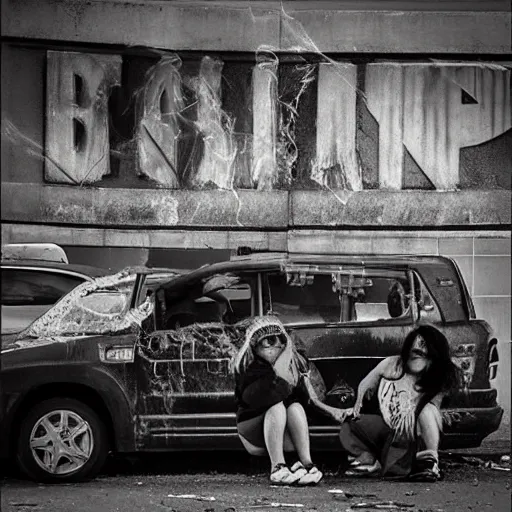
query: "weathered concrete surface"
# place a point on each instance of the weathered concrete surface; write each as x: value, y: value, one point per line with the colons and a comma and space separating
x: 147, y: 238
x: 402, y: 32
x: 404, y: 208
x: 243, y: 25
x: 172, y: 25
x: 241, y: 483
x: 143, y: 207
x: 31, y: 203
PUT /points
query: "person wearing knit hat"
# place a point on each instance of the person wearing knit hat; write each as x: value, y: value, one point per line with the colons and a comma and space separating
x: 271, y: 418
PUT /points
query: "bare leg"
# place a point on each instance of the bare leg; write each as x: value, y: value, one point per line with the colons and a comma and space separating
x: 429, y: 427
x: 273, y: 430
x: 298, y: 428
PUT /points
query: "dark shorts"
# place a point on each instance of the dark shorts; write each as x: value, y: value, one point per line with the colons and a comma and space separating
x: 252, y: 430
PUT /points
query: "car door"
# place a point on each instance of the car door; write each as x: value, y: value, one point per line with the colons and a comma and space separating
x: 185, y: 387
x: 346, y: 319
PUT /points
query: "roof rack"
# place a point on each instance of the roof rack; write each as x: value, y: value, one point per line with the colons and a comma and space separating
x: 34, y: 251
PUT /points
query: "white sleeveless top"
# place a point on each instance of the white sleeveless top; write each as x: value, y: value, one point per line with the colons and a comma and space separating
x: 398, y: 400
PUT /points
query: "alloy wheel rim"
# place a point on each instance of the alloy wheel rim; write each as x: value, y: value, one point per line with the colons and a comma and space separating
x: 61, y: 442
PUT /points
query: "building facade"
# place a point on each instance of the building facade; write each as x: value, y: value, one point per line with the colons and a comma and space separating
x: 132, y: 130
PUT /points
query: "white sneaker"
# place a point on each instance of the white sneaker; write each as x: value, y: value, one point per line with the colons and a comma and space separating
x: 299, y: 469
x: 312, y: 477
x: 281, y: 475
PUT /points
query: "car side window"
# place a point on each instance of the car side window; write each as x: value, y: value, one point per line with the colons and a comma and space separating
x: 25, y: 287
x: 219, y: 299
x: 337, y: 297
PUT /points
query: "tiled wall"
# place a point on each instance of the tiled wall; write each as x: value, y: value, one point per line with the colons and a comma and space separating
x: 486, y: 266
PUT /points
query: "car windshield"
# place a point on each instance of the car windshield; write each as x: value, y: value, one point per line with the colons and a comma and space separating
x: 97, y: 307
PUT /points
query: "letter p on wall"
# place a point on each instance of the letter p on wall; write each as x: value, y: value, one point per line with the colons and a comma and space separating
x: 77, y: 139
x: 421, y: 107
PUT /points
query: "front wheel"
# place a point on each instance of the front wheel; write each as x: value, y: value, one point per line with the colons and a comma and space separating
x: 61, y: 440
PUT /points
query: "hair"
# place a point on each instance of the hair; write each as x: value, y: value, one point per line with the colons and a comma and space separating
x: 289, y: 365
x: 442, y: 374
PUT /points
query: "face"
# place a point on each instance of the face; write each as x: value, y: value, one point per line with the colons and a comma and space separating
x: 419, y: 359
x: 269, y: 348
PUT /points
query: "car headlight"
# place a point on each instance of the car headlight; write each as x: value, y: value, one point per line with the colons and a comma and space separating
x: 113, y: 354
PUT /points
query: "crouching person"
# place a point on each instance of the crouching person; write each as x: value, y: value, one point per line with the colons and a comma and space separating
x: 271, y: 418
x: 403, y: 440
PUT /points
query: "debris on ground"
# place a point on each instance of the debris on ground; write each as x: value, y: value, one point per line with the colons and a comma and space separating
x: 473, y: 461
x: 191, y: 497
x: 274, y: 504
x: 359, y: 495
x: 410, y: 493
x: 497, y: 467
x: 381, y: 505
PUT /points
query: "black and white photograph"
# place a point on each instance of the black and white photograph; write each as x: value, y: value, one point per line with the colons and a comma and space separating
x: 256, y: 255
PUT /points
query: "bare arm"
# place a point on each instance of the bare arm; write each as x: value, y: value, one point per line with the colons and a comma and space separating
x: 336, y: 414
x: 370, y: 383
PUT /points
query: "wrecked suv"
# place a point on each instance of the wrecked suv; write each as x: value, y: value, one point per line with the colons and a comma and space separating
x: 139, y: 361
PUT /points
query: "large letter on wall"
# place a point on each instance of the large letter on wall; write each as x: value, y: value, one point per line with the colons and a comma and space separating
x: 264, y: 112
x: 77, y: 142
x: 336, y: 164
x: 384, y: 101
x: 158, y: 109
x: 427, y: 116
x: 216, y: 128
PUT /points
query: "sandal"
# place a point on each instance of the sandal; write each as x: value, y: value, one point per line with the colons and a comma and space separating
x: 312, y: 477
x: 299, y: 469
x: 364, y: 469
x: 281, y: 475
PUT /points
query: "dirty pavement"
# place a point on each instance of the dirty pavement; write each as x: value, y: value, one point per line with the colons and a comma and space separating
x: 234, y: 482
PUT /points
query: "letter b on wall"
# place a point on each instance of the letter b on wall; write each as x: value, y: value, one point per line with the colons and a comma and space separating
x: 77, y: 140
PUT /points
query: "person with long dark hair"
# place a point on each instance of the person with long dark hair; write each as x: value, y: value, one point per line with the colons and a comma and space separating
x: 403, y: 440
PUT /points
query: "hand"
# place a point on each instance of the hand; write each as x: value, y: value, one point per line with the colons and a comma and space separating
x: 340, y: 415
x: 356, y: 410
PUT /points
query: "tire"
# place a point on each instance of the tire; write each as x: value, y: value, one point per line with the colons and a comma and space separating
x: 82, y: 443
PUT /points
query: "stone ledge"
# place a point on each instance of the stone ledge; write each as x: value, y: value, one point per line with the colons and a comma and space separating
x: 251, y: 209
x: 244, y: 26
x: 26, y: 202
x: 379, y: 208
x: 404, y: 32
x: 147, y: 239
